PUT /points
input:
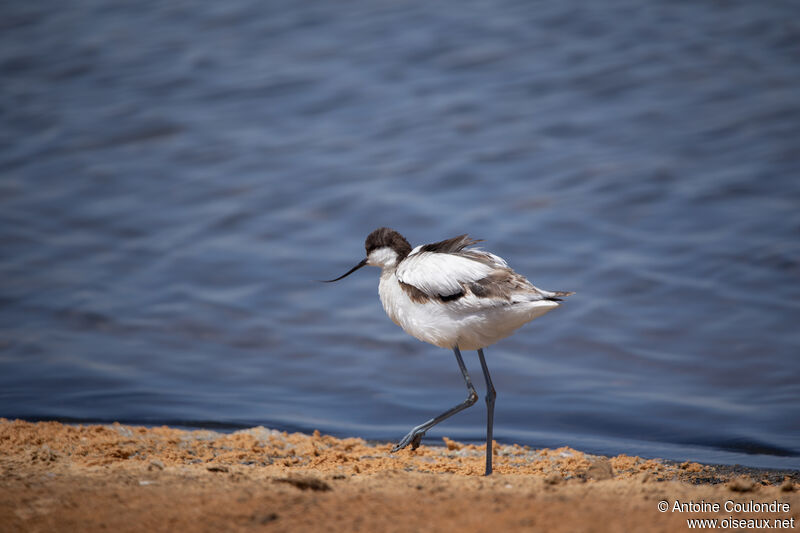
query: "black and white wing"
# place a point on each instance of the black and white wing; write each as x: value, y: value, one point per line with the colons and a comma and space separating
x: 443, y: 269
x: 446, y: 271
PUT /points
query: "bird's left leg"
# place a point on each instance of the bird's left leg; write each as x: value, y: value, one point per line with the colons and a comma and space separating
x: 415, y: 435
x: 490, y: 396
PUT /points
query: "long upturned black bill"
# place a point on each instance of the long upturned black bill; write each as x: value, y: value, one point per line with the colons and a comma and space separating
x: 361, y: 264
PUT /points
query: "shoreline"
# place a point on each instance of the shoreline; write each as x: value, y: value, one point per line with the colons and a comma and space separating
x: 57, y: 477
x: 671, y: 457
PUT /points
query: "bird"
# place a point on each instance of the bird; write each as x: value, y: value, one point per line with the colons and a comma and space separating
x: 455, y: 296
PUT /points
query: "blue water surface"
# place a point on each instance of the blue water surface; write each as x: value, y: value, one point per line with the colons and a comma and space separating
x: 175, y: 175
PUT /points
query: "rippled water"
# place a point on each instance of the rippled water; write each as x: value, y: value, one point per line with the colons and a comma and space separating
x: 174, y: 176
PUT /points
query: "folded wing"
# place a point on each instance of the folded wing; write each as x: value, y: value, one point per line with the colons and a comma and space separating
x: 446, y: 271
x: 441, y: 275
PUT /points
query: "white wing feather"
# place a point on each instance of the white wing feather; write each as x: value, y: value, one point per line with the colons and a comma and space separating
x: 438, y: 274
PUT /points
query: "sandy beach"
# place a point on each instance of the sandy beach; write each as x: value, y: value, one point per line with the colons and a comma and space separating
x: 57, y: 477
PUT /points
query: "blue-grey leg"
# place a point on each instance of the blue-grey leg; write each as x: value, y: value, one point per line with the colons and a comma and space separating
x: 490, y: 396
x: 415, y: 435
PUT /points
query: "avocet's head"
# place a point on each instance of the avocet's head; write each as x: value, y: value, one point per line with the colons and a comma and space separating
x: 385, y: 248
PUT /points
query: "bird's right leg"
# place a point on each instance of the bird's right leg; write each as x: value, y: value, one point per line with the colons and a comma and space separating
x: 415, y: 435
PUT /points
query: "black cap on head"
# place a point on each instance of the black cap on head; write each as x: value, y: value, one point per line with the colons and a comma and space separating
x: 390, y: 238
x: 381, y: 237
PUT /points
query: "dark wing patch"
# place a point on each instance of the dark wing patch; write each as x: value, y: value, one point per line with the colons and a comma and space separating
x: 450, y: 246
x: 451, y: 297
x: 419, y: 297
x: 416, y: 295
x: 501, y: 283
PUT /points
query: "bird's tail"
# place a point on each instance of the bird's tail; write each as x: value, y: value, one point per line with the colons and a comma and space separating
x: 562, y: 293
x: 556, y: 296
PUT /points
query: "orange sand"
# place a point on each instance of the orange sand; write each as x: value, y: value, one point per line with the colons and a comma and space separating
x: 56, y: 477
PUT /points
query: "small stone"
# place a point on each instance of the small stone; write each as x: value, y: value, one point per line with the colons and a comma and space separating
x: 741, y: 484
x: 787, y: 485
x: 217, y: 468
x: 600, y: 470
x: 305, y: 483
x: 156, y: 464
x: 265, y: 518
x: 691, y: 467
x: 451, y: 444
x: 553, y: 478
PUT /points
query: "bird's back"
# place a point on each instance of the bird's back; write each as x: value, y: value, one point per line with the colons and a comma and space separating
x: 465, y: 298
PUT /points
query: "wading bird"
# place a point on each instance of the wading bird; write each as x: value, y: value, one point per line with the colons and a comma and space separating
x: 453, y: 297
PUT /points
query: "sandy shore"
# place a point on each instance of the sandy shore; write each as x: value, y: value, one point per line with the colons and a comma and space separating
x: 56, y: 477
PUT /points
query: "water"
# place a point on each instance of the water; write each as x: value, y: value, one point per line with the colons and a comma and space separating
x: 174, y: 176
